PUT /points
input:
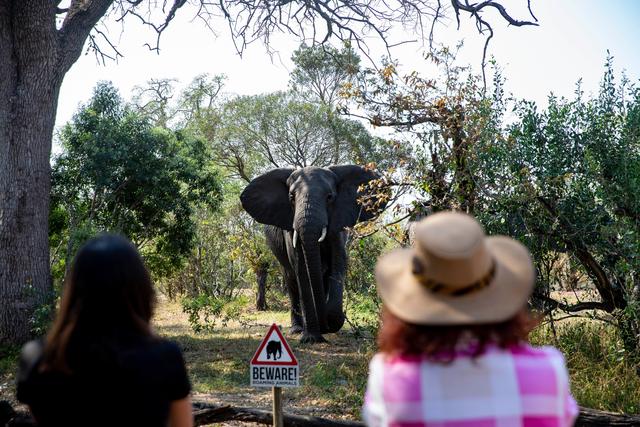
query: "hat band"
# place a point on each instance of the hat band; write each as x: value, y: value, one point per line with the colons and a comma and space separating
x: 444, y: 289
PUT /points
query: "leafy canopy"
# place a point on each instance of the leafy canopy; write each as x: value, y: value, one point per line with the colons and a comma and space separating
x: 117, y: 173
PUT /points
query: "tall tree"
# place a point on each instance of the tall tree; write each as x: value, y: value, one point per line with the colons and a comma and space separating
x: 321, y: 72
x: 34, y: 57
x: 36, y: 53
x: 117, y: 173
x: 153, y: 99
x: 279, y: 130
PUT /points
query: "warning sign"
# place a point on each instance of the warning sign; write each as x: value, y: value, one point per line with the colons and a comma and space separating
x: 274, y: 364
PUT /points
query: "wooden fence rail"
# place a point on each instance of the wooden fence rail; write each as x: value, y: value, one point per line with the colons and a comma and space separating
x: 206, y: 413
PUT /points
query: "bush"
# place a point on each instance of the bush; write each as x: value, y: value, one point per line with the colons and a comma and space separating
x: 208, y: 311
x: 9, y: 355
x: 362, y: 304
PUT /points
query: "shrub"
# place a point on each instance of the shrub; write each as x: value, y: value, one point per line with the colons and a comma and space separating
x: 208, y: 311
x: 362, y: 304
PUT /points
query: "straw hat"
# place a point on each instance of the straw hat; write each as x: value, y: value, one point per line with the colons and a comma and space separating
x: 455, y: 274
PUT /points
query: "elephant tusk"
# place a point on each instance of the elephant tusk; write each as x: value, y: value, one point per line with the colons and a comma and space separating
x: 324, y: 234
x: 295, y: 238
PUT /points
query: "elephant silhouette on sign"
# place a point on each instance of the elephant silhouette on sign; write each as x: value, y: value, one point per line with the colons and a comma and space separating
x: 274, y: 347
x: 306, y: 212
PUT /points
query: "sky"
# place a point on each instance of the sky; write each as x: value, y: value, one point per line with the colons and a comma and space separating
x: 570, y: 43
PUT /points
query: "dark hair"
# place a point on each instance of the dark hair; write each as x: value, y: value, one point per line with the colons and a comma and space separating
x: 440, y: 342
x: 108, y: 296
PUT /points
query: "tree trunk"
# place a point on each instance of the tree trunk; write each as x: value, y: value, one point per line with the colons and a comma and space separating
x: 29, y: 89
x: 262, y: 271
x: 34, y: 57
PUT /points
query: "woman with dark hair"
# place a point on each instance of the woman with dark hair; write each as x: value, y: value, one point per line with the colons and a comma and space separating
x: 101, y: 364
x: 453, y: 341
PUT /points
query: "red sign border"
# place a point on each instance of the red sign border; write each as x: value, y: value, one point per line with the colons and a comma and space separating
x: 294, y: 361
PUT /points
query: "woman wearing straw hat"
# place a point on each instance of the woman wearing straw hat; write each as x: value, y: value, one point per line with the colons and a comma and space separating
x: 453, y: 342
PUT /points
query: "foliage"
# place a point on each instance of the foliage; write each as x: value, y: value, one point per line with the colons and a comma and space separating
x: 153, y: 100
x: 117, y: 173
x: 568, y: 180
x: 229, y: 252
x: 42, y: 316
x: 321, y: 71
x: 564, y: 180
x: 194, y: 111
x: 199, y: 98
x: 262, y: 132
x: 362, y: 304
x: 9, y: 356
x: 363, y: 255
x: 435, y: 122
x: 229, y: 247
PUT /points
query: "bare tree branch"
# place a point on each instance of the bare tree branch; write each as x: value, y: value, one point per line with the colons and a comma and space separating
x: 78, y: 23
x: 482, y: 25
x: 474, y: 9
x: 353, y: 21
x: 101, y: 55
x: 610, y: 296
x: 552, y: 304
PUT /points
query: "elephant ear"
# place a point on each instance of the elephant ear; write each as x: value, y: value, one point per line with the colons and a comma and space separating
x: 347, y: 210
x: 266, y: 199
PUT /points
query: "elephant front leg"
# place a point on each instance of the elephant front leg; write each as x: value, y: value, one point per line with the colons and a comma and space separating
x: 297, y: 323
x: 334, y: 283
x: 335, y: 313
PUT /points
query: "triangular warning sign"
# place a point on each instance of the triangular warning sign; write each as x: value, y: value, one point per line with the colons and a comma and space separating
x: 274, y: 350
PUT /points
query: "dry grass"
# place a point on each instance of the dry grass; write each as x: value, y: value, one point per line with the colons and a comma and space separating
x: 8, y: 366
x: 603, y: 376
x: 332, y: 375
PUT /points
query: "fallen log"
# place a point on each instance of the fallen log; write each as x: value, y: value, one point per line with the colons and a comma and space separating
x: 211, y: 414
x: 593, y: 418
x: 207, y: 413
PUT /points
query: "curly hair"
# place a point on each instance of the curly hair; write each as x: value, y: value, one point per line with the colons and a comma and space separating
x: 442, y: 342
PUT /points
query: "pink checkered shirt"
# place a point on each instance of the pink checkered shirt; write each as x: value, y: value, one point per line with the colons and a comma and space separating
x: 516, y: 387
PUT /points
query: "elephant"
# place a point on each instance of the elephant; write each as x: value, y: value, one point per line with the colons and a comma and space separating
x: 305, y: 212
x: 274, y: 347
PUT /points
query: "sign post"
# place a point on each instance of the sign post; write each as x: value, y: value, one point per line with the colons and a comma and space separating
x: 274, y: 365
x: 277, y: 407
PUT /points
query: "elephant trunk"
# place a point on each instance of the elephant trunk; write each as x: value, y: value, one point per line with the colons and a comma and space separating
x: 312, y: 291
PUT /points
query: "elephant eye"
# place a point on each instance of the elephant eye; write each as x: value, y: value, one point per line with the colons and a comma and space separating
x: 330, y: 197
x: 291, y: 197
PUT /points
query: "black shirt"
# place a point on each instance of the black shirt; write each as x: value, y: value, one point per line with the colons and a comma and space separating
x: 130, y: 384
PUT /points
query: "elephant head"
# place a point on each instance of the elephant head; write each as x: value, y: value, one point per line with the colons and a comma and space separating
x: 314, y: 205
